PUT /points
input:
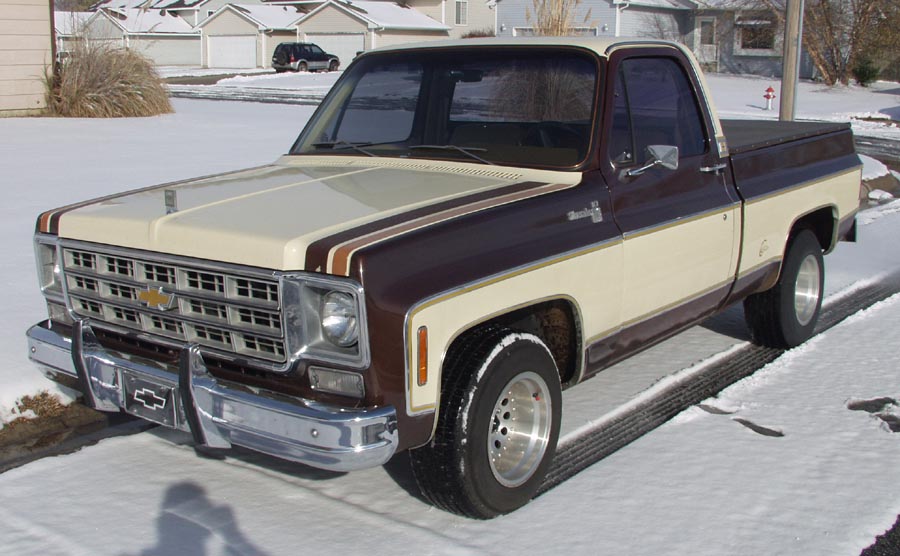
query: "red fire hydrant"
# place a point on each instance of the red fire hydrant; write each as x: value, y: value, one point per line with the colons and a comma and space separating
x: 770, y: 94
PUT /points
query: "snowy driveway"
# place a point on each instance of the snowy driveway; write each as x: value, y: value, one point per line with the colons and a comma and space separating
x: 701, y: 484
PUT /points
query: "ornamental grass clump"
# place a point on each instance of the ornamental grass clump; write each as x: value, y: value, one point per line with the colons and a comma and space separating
x: 96, y: 80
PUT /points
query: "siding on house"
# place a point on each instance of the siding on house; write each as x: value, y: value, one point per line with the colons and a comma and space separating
x: 395, y: 37
x: 729, y: 57
x: 479, y: 15
x: 26, y: 52
x: 432, y: 8
x: 102, y: 29
x: 332, y: 20
x: 638, y: 21
x: 593, y: 18
x: 208, y: 8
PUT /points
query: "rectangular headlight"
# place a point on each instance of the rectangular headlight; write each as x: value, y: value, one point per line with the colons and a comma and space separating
x: 49, y: 269
x: 325, y: 319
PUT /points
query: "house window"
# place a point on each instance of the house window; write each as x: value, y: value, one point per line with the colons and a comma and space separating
x: 708, y: 32
x: 462, y: 12
x: 756, y: 34
x: 758, y: 38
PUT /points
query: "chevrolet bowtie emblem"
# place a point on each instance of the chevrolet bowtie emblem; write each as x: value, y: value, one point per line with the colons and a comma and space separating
x: 149, y: 399
x: 156, y: 299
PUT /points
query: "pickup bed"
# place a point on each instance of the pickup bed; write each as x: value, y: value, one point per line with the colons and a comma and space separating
x: 462, y: 230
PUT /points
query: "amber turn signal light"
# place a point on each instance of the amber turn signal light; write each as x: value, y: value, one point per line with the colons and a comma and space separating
x: 423, y: 356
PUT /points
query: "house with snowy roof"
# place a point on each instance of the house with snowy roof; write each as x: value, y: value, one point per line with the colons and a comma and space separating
x: 728, y: 37
x: 165, y: 38
x: 725, y: 35
x: 67, y: 26
x: 346, y: 27
x: 245, y: 35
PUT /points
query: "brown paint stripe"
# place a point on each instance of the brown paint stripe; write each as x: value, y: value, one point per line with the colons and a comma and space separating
x: 340, y: 262
x: 48, y: 222
x: 317, y: 254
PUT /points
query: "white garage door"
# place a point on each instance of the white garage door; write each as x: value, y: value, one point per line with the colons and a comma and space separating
x: 232, y: 51
x: 344, y: 46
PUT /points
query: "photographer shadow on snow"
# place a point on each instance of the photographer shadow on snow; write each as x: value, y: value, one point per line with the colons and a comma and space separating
x: 189, y: 523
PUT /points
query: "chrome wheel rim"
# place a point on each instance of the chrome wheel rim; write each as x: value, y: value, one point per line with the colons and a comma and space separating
x: 519, y: 429
x: 806, y: 290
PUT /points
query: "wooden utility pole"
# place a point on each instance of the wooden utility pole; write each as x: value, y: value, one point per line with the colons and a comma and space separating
x: 790, y: 71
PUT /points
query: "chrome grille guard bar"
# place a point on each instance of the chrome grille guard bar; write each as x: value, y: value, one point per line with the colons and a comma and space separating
x: 217, y: 413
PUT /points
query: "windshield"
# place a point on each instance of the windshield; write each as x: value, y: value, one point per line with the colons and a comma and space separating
x: 519, y: 106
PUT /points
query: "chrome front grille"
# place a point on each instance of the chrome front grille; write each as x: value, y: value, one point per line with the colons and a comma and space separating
x: 220, y: 309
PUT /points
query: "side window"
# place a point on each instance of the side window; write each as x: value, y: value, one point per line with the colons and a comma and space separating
x: 315, y: 49
x: 661, y: 107
x: 621, y: 141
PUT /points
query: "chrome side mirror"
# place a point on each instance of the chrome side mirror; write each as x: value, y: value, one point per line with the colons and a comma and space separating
x: 660, y: 155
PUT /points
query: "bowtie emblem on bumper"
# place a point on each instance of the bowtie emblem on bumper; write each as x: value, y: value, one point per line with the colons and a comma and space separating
x: 149, y: 399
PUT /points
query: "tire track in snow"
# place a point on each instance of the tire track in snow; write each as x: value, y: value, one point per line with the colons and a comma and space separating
x: 690, y: 387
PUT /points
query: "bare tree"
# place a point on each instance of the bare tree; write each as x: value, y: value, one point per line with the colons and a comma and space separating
x: 838, y: 34
x: 660, y: 27
x: 554, y: 17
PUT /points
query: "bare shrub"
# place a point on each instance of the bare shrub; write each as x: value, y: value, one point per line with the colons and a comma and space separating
x: 96, y: 80
x: 554, y: 18
x: 478, y: 34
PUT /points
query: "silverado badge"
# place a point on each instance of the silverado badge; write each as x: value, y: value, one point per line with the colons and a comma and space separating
x: 156, y: 298
x: 594, y: 213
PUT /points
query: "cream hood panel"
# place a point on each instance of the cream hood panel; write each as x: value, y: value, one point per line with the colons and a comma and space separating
x: 268, y: 217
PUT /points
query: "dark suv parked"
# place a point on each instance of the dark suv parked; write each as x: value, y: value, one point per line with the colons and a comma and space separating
x: 303, y: 56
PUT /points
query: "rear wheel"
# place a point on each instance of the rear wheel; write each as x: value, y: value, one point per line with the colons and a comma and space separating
x: 497, y: 428
x: 786, y: 315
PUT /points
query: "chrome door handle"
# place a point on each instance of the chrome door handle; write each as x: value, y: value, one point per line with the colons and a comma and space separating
x: 716, y: 169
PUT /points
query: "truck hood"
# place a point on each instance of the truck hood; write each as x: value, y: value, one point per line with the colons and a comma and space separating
x: 269, y: 216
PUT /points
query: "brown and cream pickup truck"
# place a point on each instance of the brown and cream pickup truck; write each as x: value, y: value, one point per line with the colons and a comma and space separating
x: 462, y: 230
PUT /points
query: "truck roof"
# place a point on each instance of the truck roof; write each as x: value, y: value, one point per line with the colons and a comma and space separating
x: 600, y: 45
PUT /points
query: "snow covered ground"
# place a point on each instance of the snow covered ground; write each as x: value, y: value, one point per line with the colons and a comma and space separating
x: 701, y: 484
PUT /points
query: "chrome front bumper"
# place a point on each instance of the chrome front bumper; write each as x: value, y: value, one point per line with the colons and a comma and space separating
x: 217, y: 414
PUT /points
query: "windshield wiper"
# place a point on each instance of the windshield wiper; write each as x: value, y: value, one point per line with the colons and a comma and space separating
x: 341, y: 144
x: 468, y: 151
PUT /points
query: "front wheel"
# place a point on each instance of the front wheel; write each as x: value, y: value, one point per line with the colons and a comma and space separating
x: 497, y: 428
x: 786, y: 315
x: 333, y: 65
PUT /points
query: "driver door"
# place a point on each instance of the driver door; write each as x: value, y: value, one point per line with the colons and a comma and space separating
x: 680, y: 226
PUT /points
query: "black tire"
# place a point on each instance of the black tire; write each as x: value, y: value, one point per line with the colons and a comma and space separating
x: 476, y: 465
x: 302, y: 66
x: 333, y: 65
x: 786, y: 315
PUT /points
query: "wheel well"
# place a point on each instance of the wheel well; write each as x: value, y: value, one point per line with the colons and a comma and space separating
x: 819, y: 222
x: 554, y: 322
